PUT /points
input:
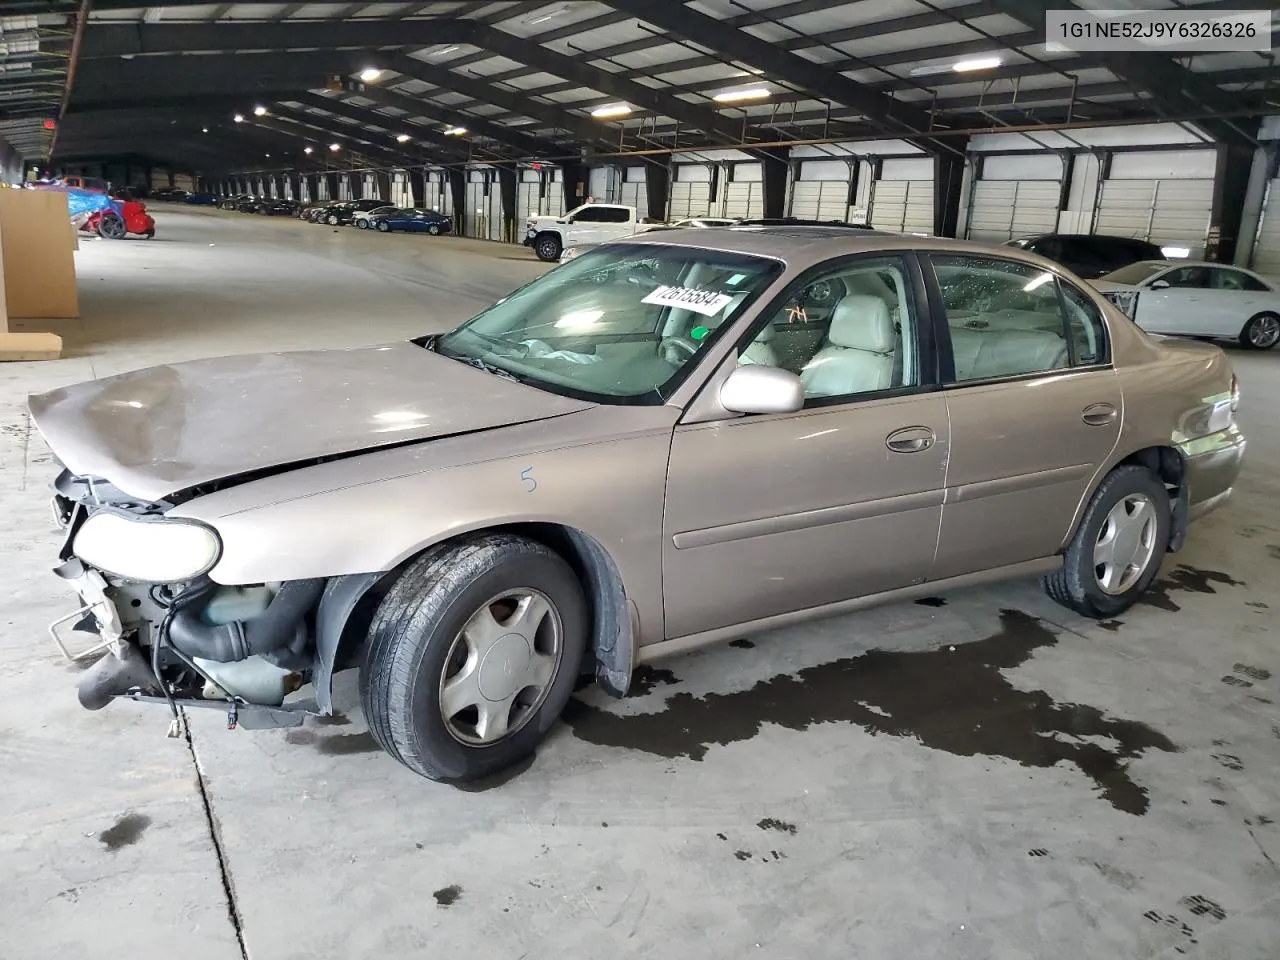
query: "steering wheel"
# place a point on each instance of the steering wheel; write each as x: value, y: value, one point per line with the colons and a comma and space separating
x: 677, y: 351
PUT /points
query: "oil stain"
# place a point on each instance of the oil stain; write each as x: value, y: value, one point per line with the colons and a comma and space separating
x: 333, y: 720
x: 345, y: 744
x: 124, y: 832
x: 953, y: 700
x: 645, y: 678
x: 448, y: 896
x: 769, y: 823
x: 1253, y: 673
x: 742, y: 643
x: 742, y: 854
x: 1273, y: 550
x: 1185, y: 579
x: 931, y: 602
x: 300, y: 738
x: 497, y: 779
x: 1258, y: 605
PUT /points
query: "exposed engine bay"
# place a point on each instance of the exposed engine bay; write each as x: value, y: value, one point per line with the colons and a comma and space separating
x: 192, y: 641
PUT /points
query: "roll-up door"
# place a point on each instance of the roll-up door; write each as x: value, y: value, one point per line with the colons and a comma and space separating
x: 344, y: 188
x: 370, y: 187
x: 690, y: 192
x: 477, y: 210
x: 553, y: 201
x: 902, y: 197
x: 1165, y: 197
x: 1266, y: 246
x: 821, y: 190
x: 528, y: 195
x: 602, y: 184
x: 1016, y: 196
x: 635, y: 191
x: 494, y: 220
x: 438, y: 195
x: 401, y: 193
x: 744, y: 193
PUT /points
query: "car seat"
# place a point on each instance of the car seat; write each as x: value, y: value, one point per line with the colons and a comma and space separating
x: 760, y: 350
x: 858, y: 357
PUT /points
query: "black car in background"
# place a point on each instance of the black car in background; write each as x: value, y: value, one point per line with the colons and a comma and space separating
x: 171, y: 194
x: 278, y: 207
x: 202, y: 199
x: 1089, y: 255
x: 233, y: 202
x: 342, y: 213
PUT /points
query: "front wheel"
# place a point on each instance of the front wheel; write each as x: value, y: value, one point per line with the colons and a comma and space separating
x: 362, y: 224
x: 472, y: 655
x: 434, y: 229
x: 384, y: 227
x: 1118, y: 548
x: 548, y: 248
x: 112, y: 227
x: 333, y: 221
x: 1261, y: 332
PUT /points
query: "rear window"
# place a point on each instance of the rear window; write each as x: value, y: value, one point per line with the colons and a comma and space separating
x: 1135, y: 273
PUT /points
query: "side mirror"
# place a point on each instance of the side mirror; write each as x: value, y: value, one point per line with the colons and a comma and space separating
x: 758, y: 389
x: 1160, y: 285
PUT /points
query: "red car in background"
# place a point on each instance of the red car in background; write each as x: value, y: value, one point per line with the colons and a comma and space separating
x: 95, y: 210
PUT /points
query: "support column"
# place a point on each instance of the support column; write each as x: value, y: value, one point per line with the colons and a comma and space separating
x: 357, y: 185
x: 510, y: 216
x: 313, y: 182
x: 458, y: 191
x: 1230, y: 186
x: 383, y: 179
x: 657, y: 185
x: 948, y: 188
x: 1266, y: 166
x: 775, y: 164
x: 331, y: 181
x: 573, y: 172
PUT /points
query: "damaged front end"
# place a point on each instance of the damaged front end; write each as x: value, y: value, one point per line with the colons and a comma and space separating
x: 162, y: 630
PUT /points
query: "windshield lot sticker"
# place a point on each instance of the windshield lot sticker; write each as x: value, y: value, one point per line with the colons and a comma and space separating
x: 706, y: 302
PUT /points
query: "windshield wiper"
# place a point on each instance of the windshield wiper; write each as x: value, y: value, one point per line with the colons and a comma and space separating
x: 480, y: 364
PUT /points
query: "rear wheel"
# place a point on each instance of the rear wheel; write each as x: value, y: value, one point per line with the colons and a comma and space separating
x: 1118, y: 548
x: 472, y: 655
x: 112, y: 227
x: 1261, y: 332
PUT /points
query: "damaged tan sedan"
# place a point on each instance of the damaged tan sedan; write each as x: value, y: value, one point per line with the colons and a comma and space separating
x: 664, y: 443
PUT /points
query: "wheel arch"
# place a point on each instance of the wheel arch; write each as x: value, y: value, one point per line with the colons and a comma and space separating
x: 1168, y: 464
x: 348, y: 604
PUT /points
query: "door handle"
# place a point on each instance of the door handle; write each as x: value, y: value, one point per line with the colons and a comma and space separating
x: 910, y: 440
x: 1099, y: 414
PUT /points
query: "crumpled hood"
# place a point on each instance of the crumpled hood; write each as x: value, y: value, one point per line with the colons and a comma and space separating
x: 155, y: 431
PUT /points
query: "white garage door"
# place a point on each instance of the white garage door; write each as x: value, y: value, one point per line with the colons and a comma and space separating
x: 401, y: 194
x: 690, y: 192
x: 1166, y: 212
x: 477, y: 218
x: 635, y: 191
x: 494, y: 219
x: 902, y: 206
x: 1017, y: 196
x: 554, y: 200
x: 527, y: 195
x: 1266, y: 248
x: 439, y: 195
x: 821, y: 190
x: 744, y: 193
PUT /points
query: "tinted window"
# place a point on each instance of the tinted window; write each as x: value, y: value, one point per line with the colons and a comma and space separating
x: 1222, y: 278
x: 846, y: 332
x: 589, y: 215
x: 1005, y: 318
x: 614, y: 215
x: 1188, y: 278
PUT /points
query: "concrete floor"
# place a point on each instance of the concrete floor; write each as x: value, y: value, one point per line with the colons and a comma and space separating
x: 1000, y: 780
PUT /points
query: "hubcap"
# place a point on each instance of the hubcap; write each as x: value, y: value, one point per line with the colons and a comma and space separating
x: 1264, y: 332
x: 1125, y: 544
x: 500, y: 667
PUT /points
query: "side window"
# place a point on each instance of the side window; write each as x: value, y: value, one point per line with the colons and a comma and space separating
x: 1004, y: 318
x: 846, y: 332
x: 589, y: 215
x: 1187, y: 278
x: 1221, y: 278
x: 1086, y: 331
x: 615, y: 215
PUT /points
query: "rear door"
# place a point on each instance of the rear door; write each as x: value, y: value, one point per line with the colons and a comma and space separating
x: 1034, y: 406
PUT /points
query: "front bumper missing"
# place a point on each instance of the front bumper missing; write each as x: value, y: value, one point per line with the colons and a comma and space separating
x: 95, y: 605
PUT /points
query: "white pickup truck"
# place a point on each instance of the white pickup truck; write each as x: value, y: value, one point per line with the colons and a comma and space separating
x: 586, y: 225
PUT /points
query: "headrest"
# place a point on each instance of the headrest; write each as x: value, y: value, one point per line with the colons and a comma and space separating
x: 862, y: 323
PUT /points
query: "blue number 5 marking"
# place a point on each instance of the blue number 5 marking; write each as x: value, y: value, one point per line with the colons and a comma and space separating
x: 524, y: 475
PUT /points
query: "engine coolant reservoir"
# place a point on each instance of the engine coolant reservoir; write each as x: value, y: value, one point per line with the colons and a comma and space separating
x: 236, y: 603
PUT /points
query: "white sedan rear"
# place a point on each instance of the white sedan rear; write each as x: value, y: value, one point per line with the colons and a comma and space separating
x: 1194, y: 299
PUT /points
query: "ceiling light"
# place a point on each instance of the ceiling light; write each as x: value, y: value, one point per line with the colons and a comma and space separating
x: 403, y: 138
x: 544, y: 17
x: 335, y: 147
x: 449, y: 49
x: 454, y: 131
x: 612, y: 110
x: 733, y: 96
x: 306, y: 150
x: 977, y: 63
x: 239, y: 118
x: 268, y: 156
x: 370, y: 74
x: 259, y: 111
x: 204, y: 129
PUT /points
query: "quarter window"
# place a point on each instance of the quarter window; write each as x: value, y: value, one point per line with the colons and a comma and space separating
x: 846, y: 332
x: 1008, y: 319
x: 1221, y: 278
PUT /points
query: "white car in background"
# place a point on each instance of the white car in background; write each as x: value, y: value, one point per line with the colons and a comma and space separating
x: 1197, y: 299
x: 361, y: 219
x: 690, y: 223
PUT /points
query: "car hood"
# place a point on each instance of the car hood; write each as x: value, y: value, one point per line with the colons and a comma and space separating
x: 1102, y: 286
x: 162, y: 429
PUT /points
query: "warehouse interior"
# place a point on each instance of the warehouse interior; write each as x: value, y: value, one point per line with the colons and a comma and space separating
x: 1000, y: 779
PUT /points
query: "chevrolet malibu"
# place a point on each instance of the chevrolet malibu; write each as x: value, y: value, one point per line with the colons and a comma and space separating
x: 664, y: 443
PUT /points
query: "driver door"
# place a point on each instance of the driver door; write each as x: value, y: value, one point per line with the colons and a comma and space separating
x: 1178, y: 308
x: 582, y: 228
x: 772, y: 513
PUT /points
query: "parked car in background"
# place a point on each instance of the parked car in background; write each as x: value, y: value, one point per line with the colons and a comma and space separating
x: 249, y: 204
x: 1089, y: 255
x: 413, y: 221
x: 202, y: 199
x: 233, y: 202
x: 571, y: 481
x: 342, y: 213
x: 314, y: 212
x: 360, y: 218
x: 169, y: 194
x: 1196, y: 299
x: 590, y: 223
x: 278, y: 207
x: 703, y: 222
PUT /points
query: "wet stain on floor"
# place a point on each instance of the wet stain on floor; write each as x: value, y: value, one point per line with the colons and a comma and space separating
x: 1254, y: 673
x: 1185, y: 579
x: 341, y: 745
x: 769, y: 823
x: 931, y: 602
x: 124, y: 832
x: 742, y: 643
x: 447, y: 896
x: 644, y: 678
x: 952, y: 699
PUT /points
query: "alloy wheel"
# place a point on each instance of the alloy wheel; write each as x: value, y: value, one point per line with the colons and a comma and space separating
x: 1125, y: 544
x: 1264, y: 332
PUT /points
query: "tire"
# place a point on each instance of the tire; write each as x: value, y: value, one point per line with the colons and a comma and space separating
x: 363, y: 223
x: 434, y: 230
x: 332, y: 221
x: 1261, y: 332
x: 548, y: 247
x: 149, y: 235
x: 112, y: 227
x: 416, y: 643
x: 1078, y: 585
x: 384, y: 227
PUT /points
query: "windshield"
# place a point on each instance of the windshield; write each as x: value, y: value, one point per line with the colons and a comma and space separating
x: 617, y: 324
x: 1135, y: 273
